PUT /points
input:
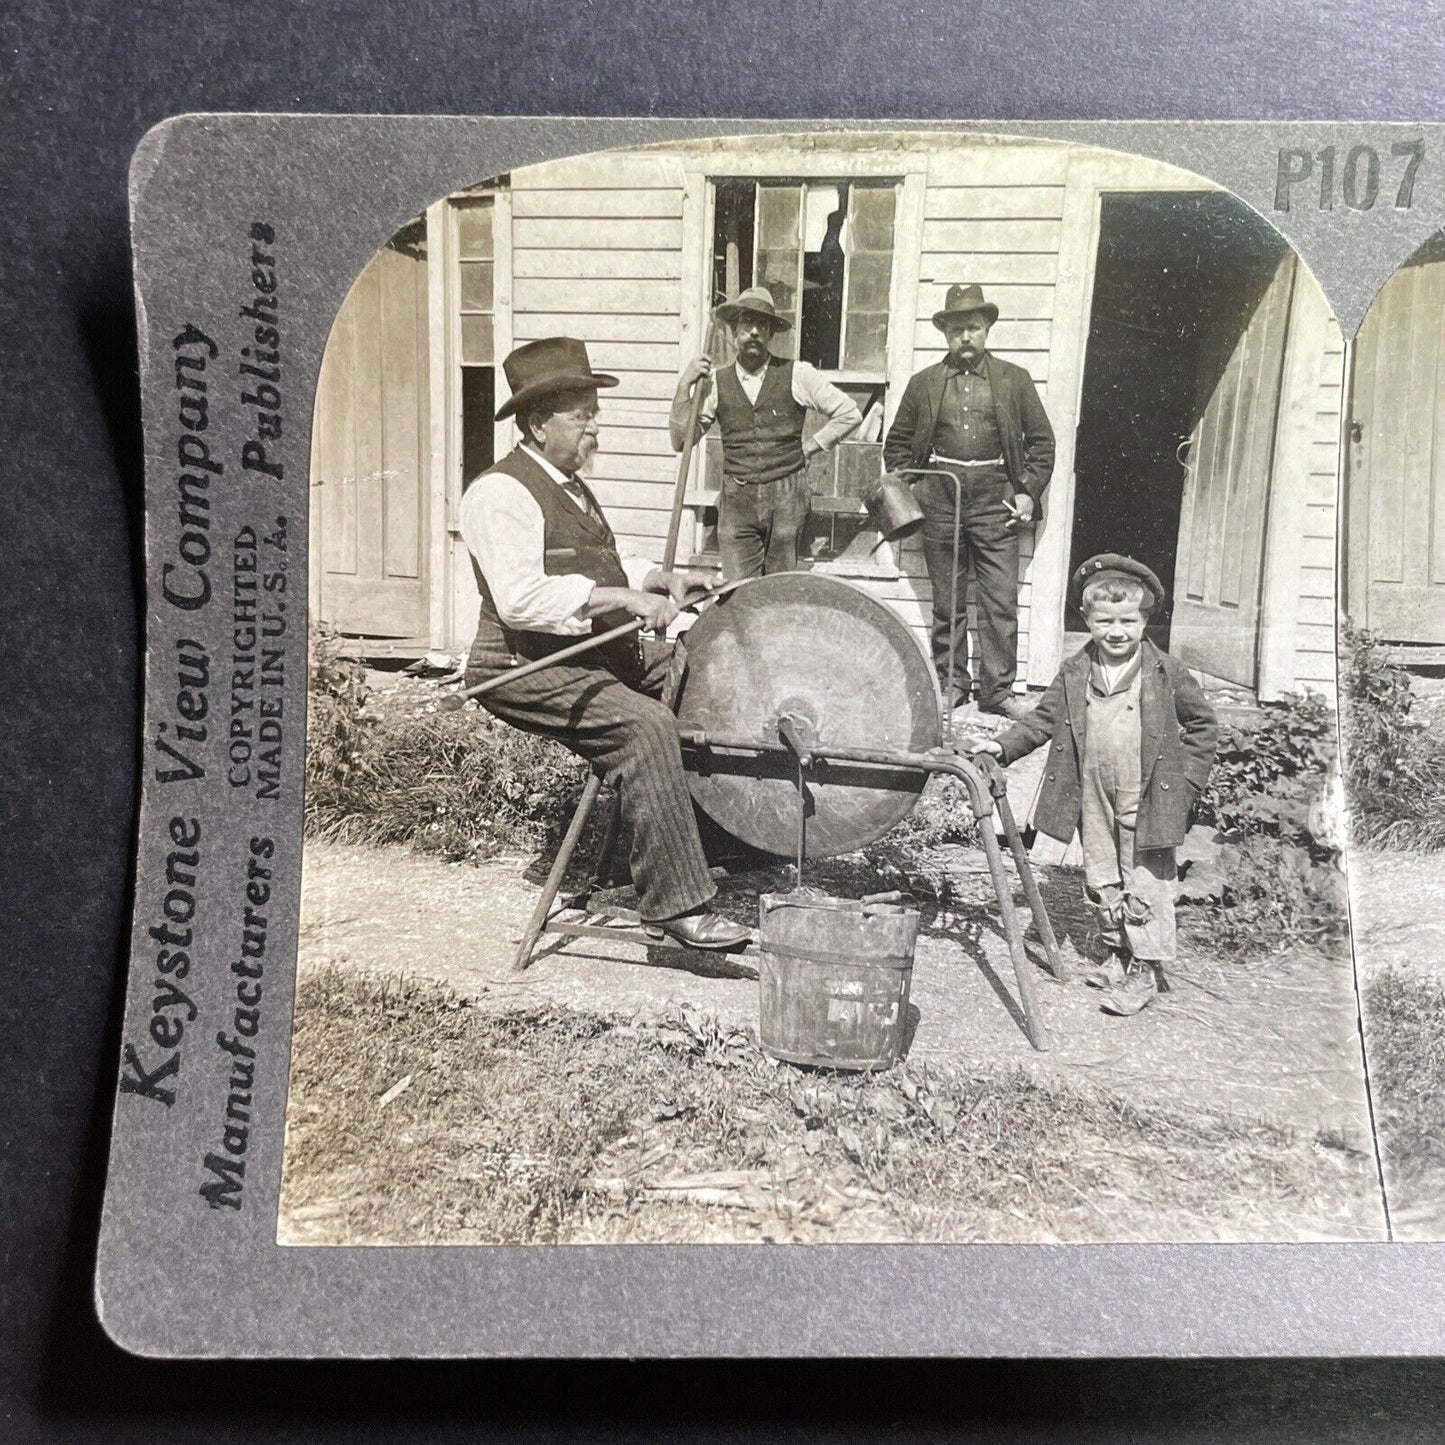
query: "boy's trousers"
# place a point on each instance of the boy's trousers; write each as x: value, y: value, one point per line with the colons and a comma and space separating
x: 1135, y: 887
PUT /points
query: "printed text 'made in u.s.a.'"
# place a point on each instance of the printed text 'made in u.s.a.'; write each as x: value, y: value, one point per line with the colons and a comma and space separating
x: 256, y: 730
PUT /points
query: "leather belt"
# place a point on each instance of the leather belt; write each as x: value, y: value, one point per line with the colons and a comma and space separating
x: 959, y: 461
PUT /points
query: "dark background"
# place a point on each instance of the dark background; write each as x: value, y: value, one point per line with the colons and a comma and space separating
x: 80, y: 83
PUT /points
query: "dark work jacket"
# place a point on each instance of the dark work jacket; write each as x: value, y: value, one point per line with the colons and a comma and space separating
x: 572, y: 542
x: 1028, y: 439
x: 761, y: 443
x: 1178, y: 733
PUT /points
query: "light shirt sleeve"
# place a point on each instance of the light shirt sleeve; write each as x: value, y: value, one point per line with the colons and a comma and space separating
x: 707, y: 412
x: 637, y: 569
x: 812, y: 390
x: 503, y: 529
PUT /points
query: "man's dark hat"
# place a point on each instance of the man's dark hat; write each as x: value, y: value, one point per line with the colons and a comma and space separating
x: 556, y: 363
x: 1114, y: 565
x: 759, y: 301
x: 964, y: 301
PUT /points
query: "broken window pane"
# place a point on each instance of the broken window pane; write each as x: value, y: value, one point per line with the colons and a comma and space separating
x: 831, y: 238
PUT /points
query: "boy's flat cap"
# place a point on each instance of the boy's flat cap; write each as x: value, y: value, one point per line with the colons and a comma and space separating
x: 1114, y: 564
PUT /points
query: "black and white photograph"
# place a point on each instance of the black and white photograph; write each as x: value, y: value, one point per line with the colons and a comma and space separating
x: 822, y: 711
x: 1392, y: 688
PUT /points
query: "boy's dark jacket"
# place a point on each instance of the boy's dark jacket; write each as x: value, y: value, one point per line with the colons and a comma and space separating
x: 1178, y: 735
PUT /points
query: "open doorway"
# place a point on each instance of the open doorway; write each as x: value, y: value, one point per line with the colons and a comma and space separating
x: 1179, y: 277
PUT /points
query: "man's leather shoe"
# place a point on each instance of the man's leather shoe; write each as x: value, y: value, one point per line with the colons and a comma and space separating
x: 1010, y: 707
x: 705, y: 929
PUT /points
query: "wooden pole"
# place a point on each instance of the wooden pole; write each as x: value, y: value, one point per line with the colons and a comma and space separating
x: 684, y: 464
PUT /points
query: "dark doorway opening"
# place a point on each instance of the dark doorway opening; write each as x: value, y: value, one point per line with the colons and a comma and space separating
x: 1178, y: 276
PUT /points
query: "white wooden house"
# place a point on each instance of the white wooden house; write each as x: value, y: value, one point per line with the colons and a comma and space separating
x: 1395, y: 466
x: 1190, y: 367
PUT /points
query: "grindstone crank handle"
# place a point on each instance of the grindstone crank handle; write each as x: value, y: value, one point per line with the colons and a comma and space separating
x: 454, y: 700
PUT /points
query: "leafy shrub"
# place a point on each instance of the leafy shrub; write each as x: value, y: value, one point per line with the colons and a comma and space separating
x: 1394, y: 765
x: 1270, y: 798
x: 460, y: 784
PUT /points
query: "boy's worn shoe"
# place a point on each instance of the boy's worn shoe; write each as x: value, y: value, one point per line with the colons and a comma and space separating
x: 1010, y: 707
x: 1135, y: 993
x: 1109, y: 973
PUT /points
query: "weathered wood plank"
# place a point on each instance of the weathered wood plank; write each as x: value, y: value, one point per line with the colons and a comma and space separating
x: 979, y: 162
x: 644, y: 386
x: 611, y: 265
x: 635, y: 441
x: 639, y: 496
x: 634, y: 467
x: 980, y: 202
x: 665, y: 204
x: 587, y: 297
x: 533, y: 325
x: 403, y: 312
x: 594, y: 233
x: 987, y: 269
x: 991, y: 235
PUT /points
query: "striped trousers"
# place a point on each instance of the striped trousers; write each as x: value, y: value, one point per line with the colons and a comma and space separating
x: 630, y: 738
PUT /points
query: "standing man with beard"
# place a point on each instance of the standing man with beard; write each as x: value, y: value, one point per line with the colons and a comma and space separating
x: 550, y: 574
x: 981, y: 419
x: 760, y: 407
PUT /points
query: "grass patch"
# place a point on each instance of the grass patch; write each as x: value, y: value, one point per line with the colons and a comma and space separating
x: 1406, y: 1017
x: 1394, y: 762
x: 458, y: 784
x: 416, y: 1118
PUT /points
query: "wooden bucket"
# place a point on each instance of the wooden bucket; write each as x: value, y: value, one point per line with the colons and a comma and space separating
x: 834, y: 979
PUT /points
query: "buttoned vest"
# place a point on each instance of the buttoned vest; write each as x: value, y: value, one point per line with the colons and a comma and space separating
x: 764, y: 442
x: 573, y: 542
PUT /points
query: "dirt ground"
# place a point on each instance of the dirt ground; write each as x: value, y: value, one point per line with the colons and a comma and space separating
x: 1274, y: 1040
x: 1397, y: 905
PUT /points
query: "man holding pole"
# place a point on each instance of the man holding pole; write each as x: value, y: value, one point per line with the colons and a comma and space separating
x: 550, y: 577
x: 979, y: 419
x: 760, y: 406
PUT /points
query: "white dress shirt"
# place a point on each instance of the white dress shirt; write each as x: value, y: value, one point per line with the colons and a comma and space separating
x: 810, y: 388
x: 503, y: 528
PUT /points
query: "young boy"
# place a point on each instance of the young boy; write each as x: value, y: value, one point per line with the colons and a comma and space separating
x: 1131, y: 744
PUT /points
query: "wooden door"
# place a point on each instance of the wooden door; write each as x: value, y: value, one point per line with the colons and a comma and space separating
x: 1219, y: 566
x: 370, y: 455
x: 1395, y: 487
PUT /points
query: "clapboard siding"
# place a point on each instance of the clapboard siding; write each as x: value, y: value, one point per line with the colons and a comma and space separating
x: 946, y: 203
x: 570, y: 205
x: 597, y: 246
x: 596, y: 233
x: 1315, y: 635
x: 940, y: 269
x: 544, y: 265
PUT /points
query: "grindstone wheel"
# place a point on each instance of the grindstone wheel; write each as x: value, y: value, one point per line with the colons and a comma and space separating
x: 810, y: 646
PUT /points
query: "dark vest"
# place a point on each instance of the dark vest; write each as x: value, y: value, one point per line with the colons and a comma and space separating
x: 572, y: 543
x: 764, y: 442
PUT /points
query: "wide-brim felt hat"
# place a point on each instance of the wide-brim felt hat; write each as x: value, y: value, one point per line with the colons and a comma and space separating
x: 964, y: 301
x: 1114, y: 565
x: 538, y: 368
x: 759, y: 301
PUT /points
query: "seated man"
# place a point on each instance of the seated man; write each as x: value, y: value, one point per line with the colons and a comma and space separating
x: 549, y: 575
